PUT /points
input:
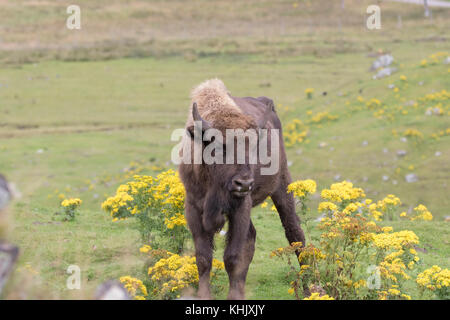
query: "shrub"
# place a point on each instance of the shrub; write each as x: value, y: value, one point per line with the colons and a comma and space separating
x: 172, y: 273
x: 435, y: 280
x: 157, y: 204
x: 69, y: 207
x: 354, y: 257
x: 136, y: 289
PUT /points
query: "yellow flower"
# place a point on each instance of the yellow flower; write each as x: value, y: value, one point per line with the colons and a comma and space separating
x: 422, y: 213
x: 134, y: 286
x: 317, y: 296
x: 144, y: 249
x: 301, y: 188
x: 71, y: 203
x: 327, y: 206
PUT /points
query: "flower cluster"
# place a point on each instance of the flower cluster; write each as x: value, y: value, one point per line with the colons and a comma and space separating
x: 351, y: 241
x: 322, y: 117
x: 433, y: 59
x: 420, y: 213
x: 317, y: 296
x: 309, y: 92
x: 436, y: 280
x: 136, y: 289
x: 173, y: 273
x: 302, y: 188
x: 295, y: 132
x: 69, y: 207
x: 342, y: 192
x: 158, y: 204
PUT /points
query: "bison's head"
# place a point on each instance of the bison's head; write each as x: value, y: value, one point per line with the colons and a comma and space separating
x: 234, y: 153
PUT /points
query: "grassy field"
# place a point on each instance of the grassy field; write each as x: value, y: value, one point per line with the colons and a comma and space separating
x: 76, y: 110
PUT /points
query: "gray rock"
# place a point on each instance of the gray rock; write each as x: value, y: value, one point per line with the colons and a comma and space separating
x: 411, y: 177
x: 409, y: 103
x: 385, y: 72
x: 5, y: 194
x: 382, y: 62
x: 401, y: 153
x: 385, y: 178
x: 111, y: 290
x: 365, y: 143
x: 337, y: 177
x: 438, y: 153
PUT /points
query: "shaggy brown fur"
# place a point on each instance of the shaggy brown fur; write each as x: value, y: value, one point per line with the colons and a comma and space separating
x: 216, y: 106
x: 228, y: 191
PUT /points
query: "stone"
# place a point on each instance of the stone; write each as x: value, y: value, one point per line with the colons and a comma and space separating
x: 111, y: 290
x: 8, y: 258
x: 411, y: 177
x: 385, y: 72
x: 5, y: 193
x: 385, y: 178
x: 382, y: 61
x: 401, y: 153
x: 438, y: 153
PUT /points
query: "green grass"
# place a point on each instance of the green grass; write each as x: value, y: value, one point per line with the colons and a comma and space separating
x: 73, y: 127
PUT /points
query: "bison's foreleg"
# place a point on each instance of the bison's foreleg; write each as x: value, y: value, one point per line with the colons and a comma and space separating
x: 239, y: 253
x: 203, y: 242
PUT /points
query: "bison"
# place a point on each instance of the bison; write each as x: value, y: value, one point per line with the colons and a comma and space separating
x: 219, y: 191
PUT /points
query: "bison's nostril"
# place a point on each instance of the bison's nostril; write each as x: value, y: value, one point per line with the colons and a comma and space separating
x: 243, y: 185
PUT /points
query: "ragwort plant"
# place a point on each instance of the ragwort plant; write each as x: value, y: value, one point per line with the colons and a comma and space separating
x: 354, y: 257
x: 69, y: 208
x: 170, y: 274
x: 157, y: 204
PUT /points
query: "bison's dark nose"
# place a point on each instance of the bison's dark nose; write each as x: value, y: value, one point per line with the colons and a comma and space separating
x: 241, y: 187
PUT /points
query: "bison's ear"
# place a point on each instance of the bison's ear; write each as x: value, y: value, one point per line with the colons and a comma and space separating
x: 265, y: 117
x: 268, y: 102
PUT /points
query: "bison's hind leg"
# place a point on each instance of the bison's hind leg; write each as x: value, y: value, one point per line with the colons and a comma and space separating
x: 285, y: 204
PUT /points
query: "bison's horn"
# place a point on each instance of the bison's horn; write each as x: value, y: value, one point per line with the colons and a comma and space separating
x: 196, y: 116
